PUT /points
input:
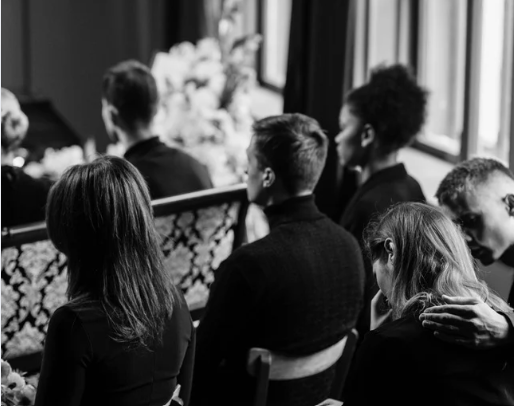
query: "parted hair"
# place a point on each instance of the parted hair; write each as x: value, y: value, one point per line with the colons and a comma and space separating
x: 466, y: 175
x: 131, y: 88
x: 432, y: 259
x: 99, y: 215
x: 393, y: 104
x: 294, y: 146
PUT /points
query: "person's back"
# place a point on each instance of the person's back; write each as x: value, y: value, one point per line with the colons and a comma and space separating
x: 168, y: 171
x: 110, y: 372
x: 296, y: 291
x: 402, y: 363
x: 126, y: 336
x: 129, y: 104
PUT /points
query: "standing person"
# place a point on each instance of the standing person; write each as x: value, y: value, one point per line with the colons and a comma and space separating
x: 129, y: 104
x: 377, y: 120
x: 478, y: 194
x: 296, y: 291
x: 23, y: 197
x: 126, y: 336
x: 419, y: 256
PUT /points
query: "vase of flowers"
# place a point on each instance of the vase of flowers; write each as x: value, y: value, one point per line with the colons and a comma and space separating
x: 205, y: 97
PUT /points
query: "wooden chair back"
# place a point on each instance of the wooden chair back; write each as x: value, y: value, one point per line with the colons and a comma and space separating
x: 267, y: 366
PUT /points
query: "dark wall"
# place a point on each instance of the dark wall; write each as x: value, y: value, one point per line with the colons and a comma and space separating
x: 60, y: 49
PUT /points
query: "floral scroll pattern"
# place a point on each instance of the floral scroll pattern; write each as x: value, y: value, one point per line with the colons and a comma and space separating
x: 34, y: 278
x: 194, y: 244
x: 33, y: 287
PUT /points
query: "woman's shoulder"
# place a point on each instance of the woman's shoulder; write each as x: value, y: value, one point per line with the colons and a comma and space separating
x: 401, y: 331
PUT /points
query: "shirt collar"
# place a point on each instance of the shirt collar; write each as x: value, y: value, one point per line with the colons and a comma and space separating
x: 142, y: 147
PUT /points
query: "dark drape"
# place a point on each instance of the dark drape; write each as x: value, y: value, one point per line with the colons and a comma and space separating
x: 186, y: 21
x: 318, y: 69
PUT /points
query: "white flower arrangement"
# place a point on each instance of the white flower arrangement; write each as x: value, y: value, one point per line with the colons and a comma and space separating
x: 205, y: 98
x: 55, y: 162
x: 15, y: 390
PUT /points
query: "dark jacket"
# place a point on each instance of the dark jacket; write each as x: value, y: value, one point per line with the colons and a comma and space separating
x: 83, y: 366
x: 168, y: 171
x: 296, y: 291
x: 403, y: 364
x: 382, y: 190
x: 23, y: 197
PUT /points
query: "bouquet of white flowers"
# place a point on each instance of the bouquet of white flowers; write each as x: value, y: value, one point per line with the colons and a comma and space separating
x: 205, y: 101
x: 15, y: 391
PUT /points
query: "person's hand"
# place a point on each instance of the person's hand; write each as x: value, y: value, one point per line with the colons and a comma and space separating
x: 330, y: 402
x: 467, y: 321
x: 380, y: 312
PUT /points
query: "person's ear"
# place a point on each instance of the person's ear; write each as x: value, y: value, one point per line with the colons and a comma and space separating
x: 268, y: 177
x: 509, y: 199
x: 390, y: 249
x: 367, y: 135
x: 114, y: 115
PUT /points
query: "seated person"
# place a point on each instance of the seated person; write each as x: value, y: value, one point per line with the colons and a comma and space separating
x: 419, y: 255
x: 126, y: 336
x: 478, y: 194
x: 129, y: 104
x: 377, y: 120
x: 23, y: 197
x: 296, y: 291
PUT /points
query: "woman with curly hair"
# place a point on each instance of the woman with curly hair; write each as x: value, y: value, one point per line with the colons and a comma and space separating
x: 419, y: 256
x: 126, y: 335
x: 377, y: 120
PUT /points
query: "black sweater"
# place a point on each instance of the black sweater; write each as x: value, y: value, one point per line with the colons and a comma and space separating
x: 296, y: 291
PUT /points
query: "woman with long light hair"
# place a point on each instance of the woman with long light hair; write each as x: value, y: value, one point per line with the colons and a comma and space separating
x: 419, y: 255
x: 126, y: 335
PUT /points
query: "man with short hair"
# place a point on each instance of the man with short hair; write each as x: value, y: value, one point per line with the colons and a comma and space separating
x: 297, y: 291
x: 478, y: 194
x: 129, y: 104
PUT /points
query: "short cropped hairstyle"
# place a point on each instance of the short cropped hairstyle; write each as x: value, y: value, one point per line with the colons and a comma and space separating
x: 294, y: 146
x: 465, y: 175
x: 393, y: 104
x: 131, y: 88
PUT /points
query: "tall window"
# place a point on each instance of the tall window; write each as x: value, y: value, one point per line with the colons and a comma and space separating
x: 441, y: 62
x: 495, y: 76
x: 276, y: 18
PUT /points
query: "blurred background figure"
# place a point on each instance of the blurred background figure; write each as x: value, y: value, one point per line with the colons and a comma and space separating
x: 129, y: 104
x: 23, y: 197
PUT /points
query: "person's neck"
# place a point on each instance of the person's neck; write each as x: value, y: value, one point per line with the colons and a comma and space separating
x: 7, y: 158
x: 378, y: 164
x: 131, y: 138
x: 281, y: 196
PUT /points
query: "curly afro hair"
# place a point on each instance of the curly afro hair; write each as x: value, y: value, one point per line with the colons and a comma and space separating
x: 393, y: 103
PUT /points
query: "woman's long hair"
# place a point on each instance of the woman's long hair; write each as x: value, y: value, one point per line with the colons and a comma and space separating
x: 431, y: 259
x: 100, y: 216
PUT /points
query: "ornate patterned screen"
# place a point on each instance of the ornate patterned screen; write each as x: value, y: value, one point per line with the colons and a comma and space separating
x: 198, y: 231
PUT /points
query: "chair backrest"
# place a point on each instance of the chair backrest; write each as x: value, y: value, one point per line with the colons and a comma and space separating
x: 267, y: 366
x: 198, y: 231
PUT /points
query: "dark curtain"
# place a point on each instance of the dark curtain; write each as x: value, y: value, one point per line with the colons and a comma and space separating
x: 318, y: 75
x: 186, y: 21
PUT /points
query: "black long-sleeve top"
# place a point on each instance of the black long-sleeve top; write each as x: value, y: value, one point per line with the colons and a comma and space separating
x: 167, y: 171
x: 296, y: 291
x: 403, y: 364
x: 83, y: 366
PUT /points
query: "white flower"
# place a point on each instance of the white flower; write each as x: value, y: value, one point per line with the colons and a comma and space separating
x: 208, y: 48
x: 16, y: 379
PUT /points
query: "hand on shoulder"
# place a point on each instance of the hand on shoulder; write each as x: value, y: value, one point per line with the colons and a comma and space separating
x: 469, y: 322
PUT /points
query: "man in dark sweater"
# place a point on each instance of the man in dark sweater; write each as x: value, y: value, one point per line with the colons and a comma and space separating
x: 297, y: 291
x: 129, y: 104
